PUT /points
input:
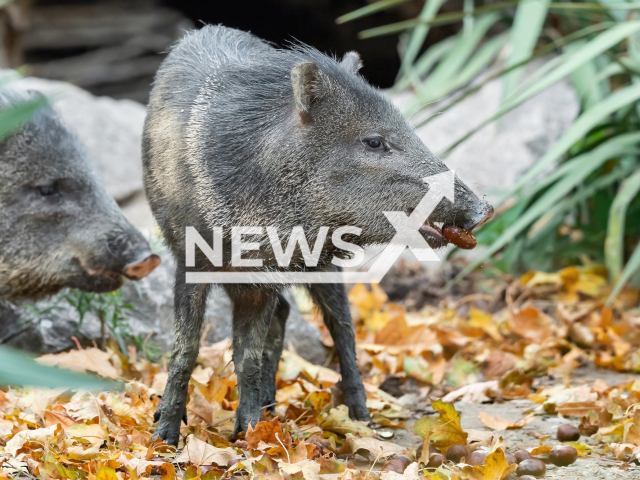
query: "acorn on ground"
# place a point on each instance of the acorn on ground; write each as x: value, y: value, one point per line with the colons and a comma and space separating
x: 568, y: 433
x: 531, y: 466
x: 563, y: 456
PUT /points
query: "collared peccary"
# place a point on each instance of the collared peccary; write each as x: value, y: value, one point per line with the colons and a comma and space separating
x: 239, y: 133
x: 58, y: 226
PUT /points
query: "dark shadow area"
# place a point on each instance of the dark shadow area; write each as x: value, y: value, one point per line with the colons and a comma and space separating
x: 311, y: 22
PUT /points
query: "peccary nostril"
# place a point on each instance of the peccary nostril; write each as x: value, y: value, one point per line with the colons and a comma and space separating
x: 486, y: 216
x: 139, y: 270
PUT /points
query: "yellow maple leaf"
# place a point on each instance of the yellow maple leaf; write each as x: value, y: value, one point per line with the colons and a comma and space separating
x: 445, y: 431
x: 496, y: 467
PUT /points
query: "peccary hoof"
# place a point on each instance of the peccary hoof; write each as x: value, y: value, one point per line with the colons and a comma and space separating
x: 168, y: 428
x: 359, y: 411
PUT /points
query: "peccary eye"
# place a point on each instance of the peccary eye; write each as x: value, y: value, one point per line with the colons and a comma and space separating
x: 49, y: 190
x: 374, y: 143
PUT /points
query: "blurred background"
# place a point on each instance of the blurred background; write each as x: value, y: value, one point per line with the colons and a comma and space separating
x: 113, y: 47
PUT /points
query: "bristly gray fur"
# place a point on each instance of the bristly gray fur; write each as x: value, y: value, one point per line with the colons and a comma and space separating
x: 224, y: 145
x: 239, y: 133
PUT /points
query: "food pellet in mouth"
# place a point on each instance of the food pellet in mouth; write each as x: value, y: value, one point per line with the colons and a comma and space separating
x: 459, y: 237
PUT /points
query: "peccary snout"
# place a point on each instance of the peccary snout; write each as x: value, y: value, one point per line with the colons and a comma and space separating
x: 58, y: 226
x: 467, y: 211
x: 142, y: 268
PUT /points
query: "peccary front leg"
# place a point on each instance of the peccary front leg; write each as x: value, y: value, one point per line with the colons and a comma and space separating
x: 334, y: 305
x: 190, y: 302
x: 253, y: 309
x: 272, y: 352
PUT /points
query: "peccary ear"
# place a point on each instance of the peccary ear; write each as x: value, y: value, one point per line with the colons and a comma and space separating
x: 352, y: 62
x: 306, y: 82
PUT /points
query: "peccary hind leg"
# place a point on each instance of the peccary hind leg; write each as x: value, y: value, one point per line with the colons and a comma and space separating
x: 334, y: 305
x: 190, y: 302
x: 252, y: 312
x: 272, y: 352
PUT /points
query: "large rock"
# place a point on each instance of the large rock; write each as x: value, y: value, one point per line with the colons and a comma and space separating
x: 110, y: 129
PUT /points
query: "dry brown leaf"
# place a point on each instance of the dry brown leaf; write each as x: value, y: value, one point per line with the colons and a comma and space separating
x: 198, y: 453
x: 39, y: 435
x: 473, y: 393
x: 338, y: 421
x: 309, y: 469
x: 87, y: 360
x: 370, y: 448
x: 499, y: 423
x: 268, y: 432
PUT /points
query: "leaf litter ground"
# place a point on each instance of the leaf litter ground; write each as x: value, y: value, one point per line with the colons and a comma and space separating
x: 456, y: 384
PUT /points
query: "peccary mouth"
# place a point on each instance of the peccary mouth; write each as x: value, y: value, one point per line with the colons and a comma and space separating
x: 440, y: 235
x: 433, y: 235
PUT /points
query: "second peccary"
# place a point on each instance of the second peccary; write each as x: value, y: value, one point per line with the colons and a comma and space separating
x: 58, y: 225
x: 239, y: 133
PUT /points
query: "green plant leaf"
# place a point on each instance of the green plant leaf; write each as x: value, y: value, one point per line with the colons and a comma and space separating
x: 424, y: 64
x: 444, y: 19
x: 18, y: 369
x: 419, y: 34
x: 525, y: 32
x: 369, y: 9
x: 585, y: 122
x: 614, y: 244
x: 575, y: 36
x: 571, y: 62
x: 439, y: 82
x: 582, y: 167
x: 632, y: 266
x: 14, y: 117
x: 585, y: 80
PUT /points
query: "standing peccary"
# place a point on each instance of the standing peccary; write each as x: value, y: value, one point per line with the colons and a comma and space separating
x: 239, y: 133
x: 58, y: 226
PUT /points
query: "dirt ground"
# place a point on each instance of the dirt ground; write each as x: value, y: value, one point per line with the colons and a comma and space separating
x: 541, y: 430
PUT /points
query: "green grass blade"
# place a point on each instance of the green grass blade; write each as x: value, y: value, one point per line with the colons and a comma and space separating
x: 609, y: 71
x: 614, y: 244
x: 368, y: 10
x: 440, y: 82
x: 632, y: 266
x: 453, y: 17
x: 18, y: 369
x: 585, y: 122
x: 481, y: 60
x: 540, y: 53
x: 14, y: 117
x: 527, y: 26
x: 444, y: 19
x: 592, y: 49
x: 424, y: 64
x: 419, y: 34
x: 588, y: 163
x: 585, y: 81
x: 540, y: 229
